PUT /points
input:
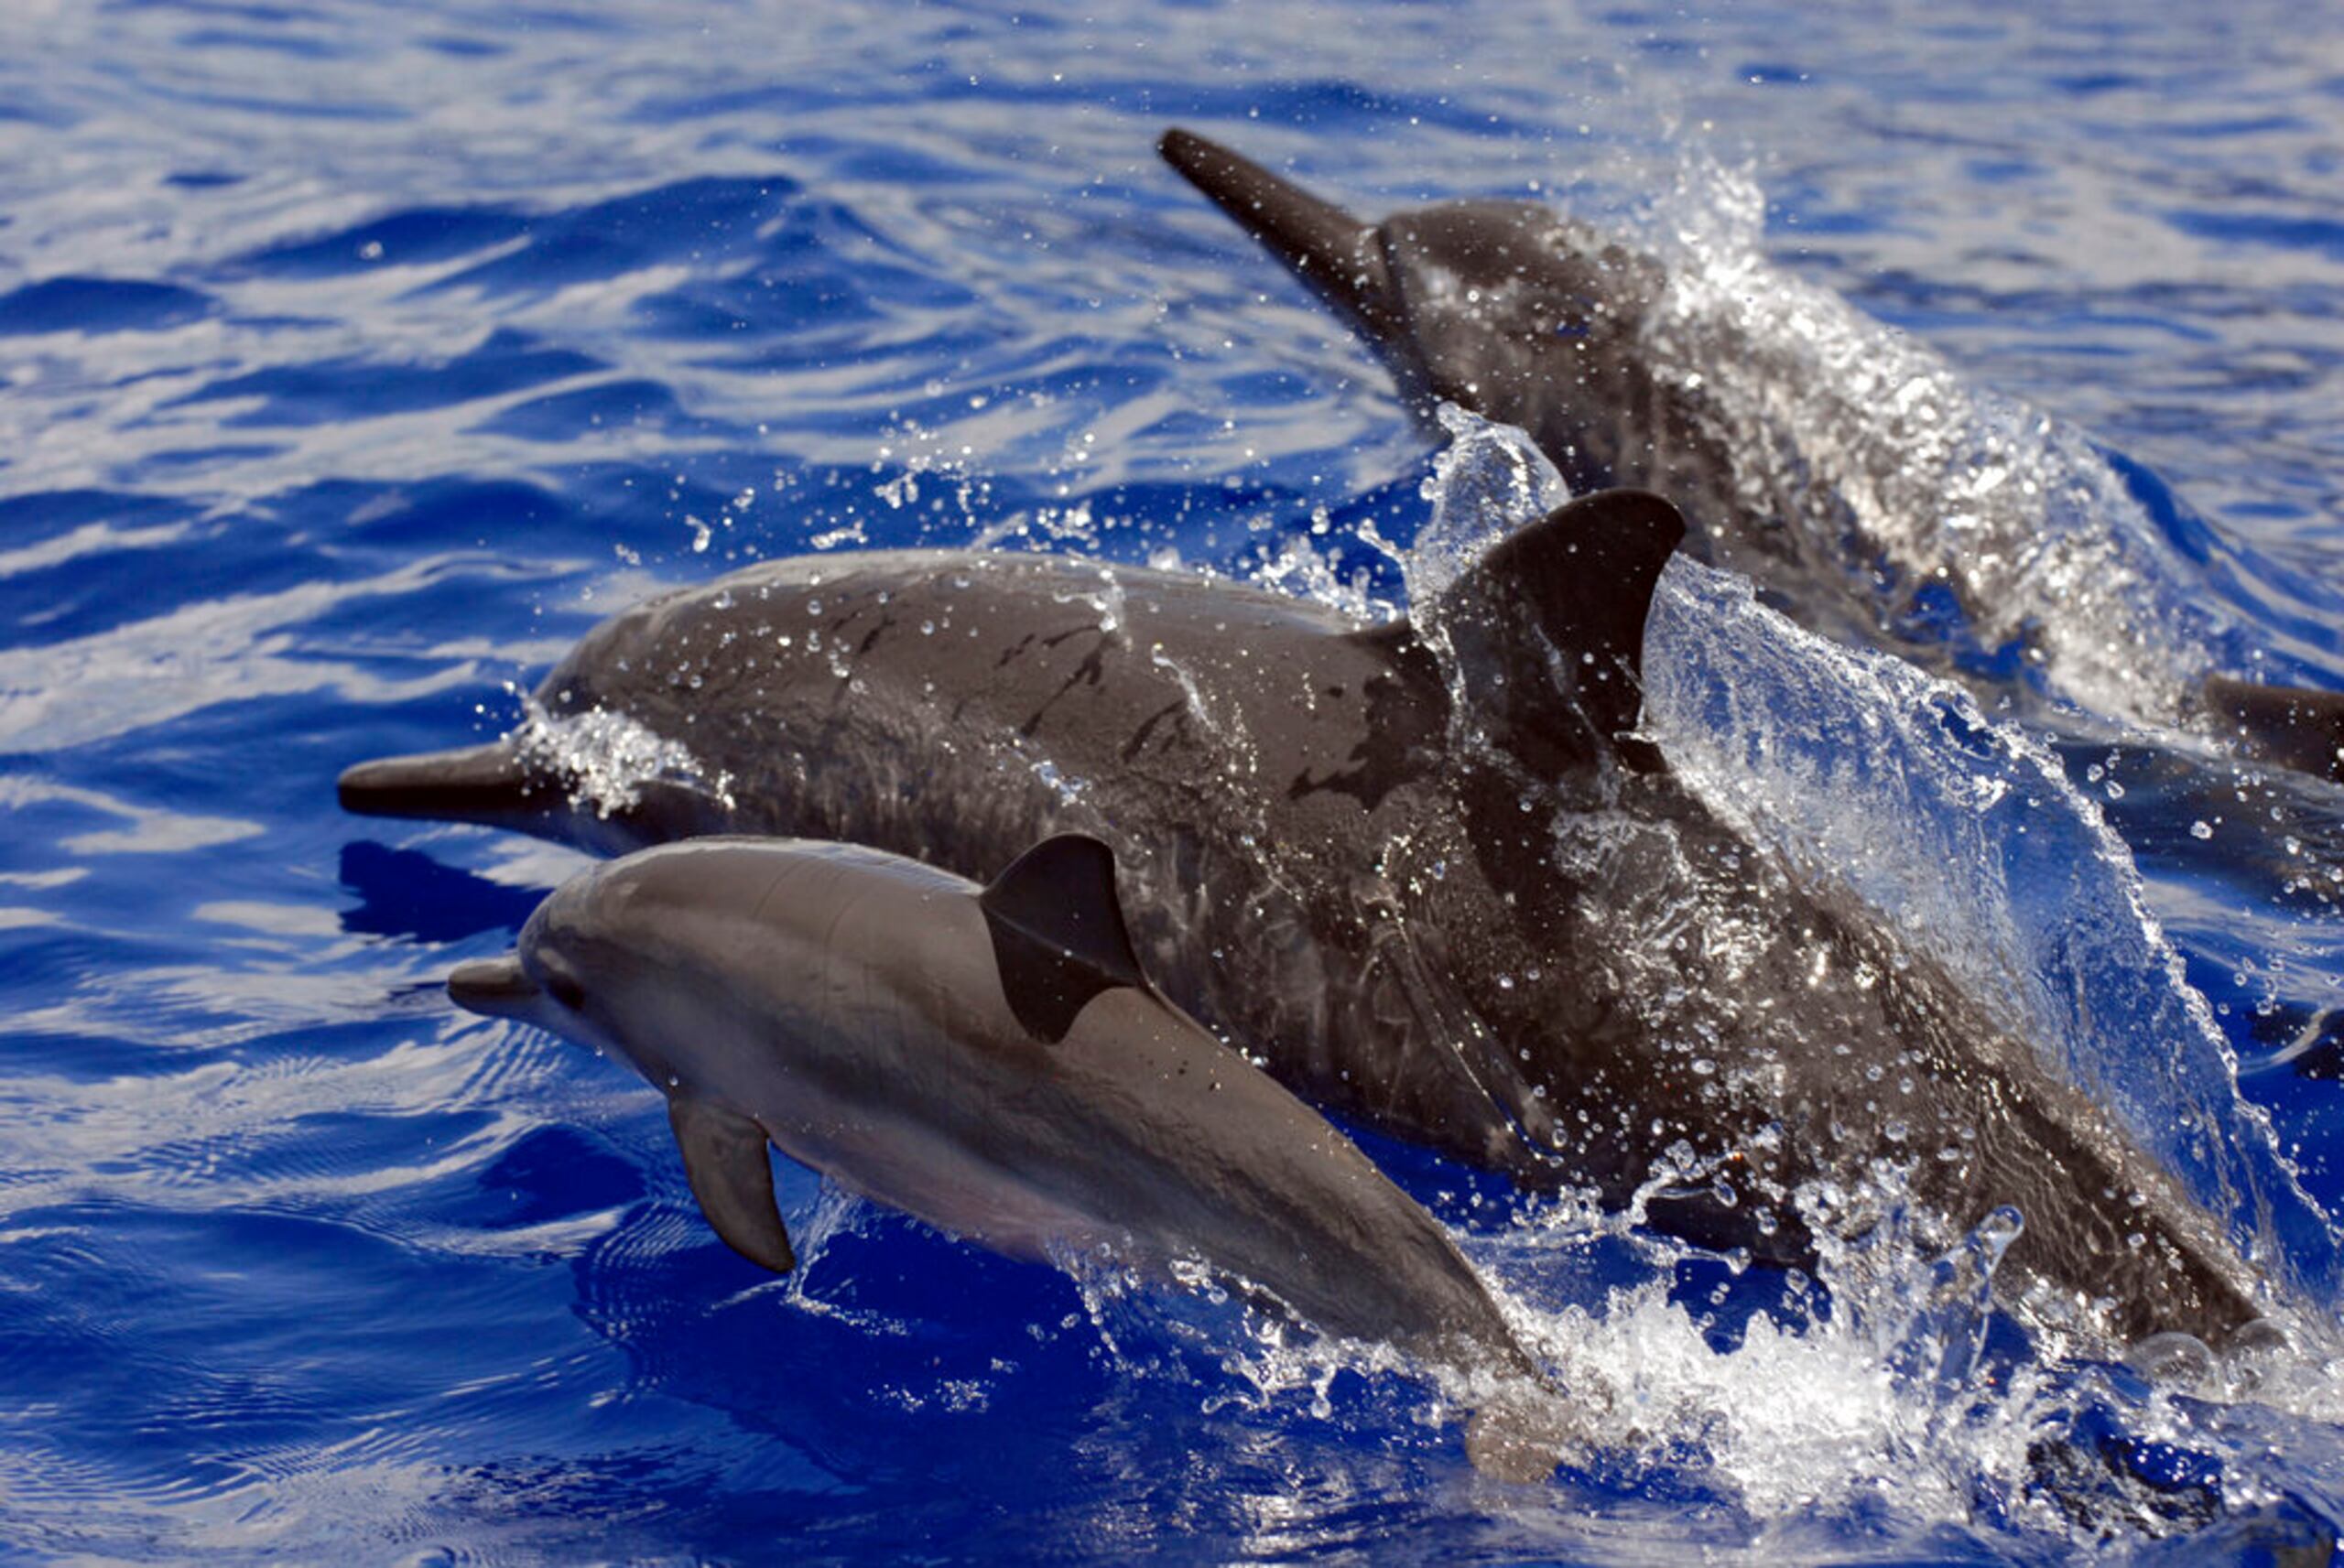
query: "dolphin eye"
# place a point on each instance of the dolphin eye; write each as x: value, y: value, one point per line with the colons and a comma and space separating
x: 565, y: 990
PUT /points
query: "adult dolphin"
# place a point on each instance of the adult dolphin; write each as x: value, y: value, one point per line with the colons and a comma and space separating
x: 1843, y: 467
x: 993, y: 1061
x: 1423, y: 870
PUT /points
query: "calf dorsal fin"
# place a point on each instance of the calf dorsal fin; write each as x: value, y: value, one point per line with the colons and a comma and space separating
x: 1059, y: 932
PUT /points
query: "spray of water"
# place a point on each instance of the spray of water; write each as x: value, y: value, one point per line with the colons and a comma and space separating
x: 1867, y: 444
x: 1890, y: 1382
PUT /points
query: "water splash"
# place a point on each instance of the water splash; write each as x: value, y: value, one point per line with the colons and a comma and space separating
x: 609, y: 757
x: 1859, y: 770
x: 1486, y: 483
x: 1984, y: 534
x: 1964, y: 836
x: 1868, y: 776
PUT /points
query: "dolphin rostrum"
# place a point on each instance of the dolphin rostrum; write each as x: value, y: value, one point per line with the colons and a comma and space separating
x: 1424, y: 871
x: 1845, y: 468
x: 990, y: 1060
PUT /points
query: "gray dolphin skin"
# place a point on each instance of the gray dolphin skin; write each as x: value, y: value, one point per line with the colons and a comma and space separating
x: 1423, y: 871
x: 1818, y: 482
x: 990, y: 1060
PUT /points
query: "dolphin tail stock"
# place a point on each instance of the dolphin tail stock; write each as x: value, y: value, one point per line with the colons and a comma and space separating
x: 1339, y: 256
x: 2294, y: 727
x: 1519, y: 1437
x: 490, y: 784
x: 1527, y: 1425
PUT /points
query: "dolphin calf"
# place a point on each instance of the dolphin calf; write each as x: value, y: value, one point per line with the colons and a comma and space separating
x: 990, y: 1060
x: 1844, y: 468
x: 1426, y: 870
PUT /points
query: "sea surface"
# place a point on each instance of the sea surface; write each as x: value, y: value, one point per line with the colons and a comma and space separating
x: 354, y: 358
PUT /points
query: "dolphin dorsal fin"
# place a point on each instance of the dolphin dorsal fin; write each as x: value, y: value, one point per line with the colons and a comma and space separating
x: 1549, y: 628
x: 1059, y: 933
x: 731, y: 1177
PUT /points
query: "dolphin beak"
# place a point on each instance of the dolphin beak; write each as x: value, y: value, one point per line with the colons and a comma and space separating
x: 473, y: 783
x: 1328, y: 248
x: 493, y: 988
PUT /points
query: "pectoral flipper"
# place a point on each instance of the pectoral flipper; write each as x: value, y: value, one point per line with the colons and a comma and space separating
x: 731, y: 1177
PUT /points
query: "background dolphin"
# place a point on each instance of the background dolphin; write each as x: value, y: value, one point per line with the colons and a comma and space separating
x: 1416, y: 866
x: 989, y: 1060
x: 1848, y: 490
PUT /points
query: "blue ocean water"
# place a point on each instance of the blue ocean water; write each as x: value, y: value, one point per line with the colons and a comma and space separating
x: 354, y: 358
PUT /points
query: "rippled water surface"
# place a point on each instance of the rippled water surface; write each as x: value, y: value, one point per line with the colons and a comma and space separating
x: 354, y: 359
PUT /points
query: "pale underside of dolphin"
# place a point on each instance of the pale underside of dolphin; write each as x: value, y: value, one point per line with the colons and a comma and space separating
x: 994, y: 1062
x: 1426, y: 871
x: 1542, y: 321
